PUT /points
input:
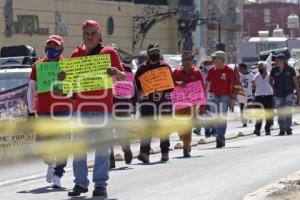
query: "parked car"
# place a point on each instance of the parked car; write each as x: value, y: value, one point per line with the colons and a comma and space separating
x: 174, y: 60
x: 14, y: 76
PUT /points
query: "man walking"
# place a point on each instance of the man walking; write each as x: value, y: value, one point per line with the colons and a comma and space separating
x: 93, y: 106
x: 263, y: 97
x: 220, y: 83
x: 151, y: 104
x: 283, y: 80
x: 49, y: 105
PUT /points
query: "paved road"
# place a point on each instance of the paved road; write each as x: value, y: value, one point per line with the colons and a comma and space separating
x: 245, y: 165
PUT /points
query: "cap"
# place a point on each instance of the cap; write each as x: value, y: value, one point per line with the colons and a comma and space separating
x: 55, y: 38
x: 207, y: 59
x: 219, y: 54
x: 153, y: 46
x: 280, y: 56
x: 91, y: 23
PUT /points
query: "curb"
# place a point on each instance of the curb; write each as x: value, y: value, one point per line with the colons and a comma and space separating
x: 288, y: 184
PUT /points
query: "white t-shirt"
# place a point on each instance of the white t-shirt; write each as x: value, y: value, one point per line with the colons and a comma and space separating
x: 246, y: 80
x: 263, y: 86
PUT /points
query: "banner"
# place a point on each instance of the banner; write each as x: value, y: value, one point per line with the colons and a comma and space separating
x: 192, y: 94
x: 86, y: 73
x: 124, y: 88
x: 13, y: 109
x: 47, y: 75
x: 157, y: 80
x: 13, y: 103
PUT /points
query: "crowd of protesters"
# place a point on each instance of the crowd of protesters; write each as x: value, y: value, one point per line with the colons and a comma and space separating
x: 261, y: 90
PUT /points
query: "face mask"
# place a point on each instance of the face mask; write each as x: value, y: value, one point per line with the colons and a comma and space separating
x: 154, y: 57
x: 207, y: 67
x: 53, y: 53
x: 261, y: 71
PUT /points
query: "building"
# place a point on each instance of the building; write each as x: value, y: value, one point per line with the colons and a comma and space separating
x: 30, y: 22
x: 228, y: 14
x: 267, y: 15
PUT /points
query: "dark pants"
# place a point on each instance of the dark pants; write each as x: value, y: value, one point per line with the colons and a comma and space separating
x: 59, y: 166
x: 148, y: 111
x: 243, y: 107
x: 267, y: 103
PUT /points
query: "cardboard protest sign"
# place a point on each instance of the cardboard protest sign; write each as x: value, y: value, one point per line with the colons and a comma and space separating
x: 157, y: 80
x: 86, y: 73
x: 47, y: 76
x: 190, y: 95
x: 124, y: 88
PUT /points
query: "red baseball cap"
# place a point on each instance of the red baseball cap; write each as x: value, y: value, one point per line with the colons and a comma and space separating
x: 91, y: 23
x: 55, y: 38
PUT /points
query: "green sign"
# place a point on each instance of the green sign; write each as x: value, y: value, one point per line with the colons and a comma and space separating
x: 47, y: 76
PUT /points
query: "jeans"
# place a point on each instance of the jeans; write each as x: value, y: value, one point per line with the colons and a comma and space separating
x: 149, y: 110
x: 101, y: 165
x: 59, y: 166
x: 220, y: 105
x: 284, y: 121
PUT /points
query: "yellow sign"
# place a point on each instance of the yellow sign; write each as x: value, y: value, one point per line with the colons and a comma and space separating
x: 157, y: 80
x: 86, y: 73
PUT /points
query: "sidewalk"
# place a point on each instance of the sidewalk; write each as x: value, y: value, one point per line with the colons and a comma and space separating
x: 286, y: 188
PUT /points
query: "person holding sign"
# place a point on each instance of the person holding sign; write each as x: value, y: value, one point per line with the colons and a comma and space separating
x: 92, y: 107
x: 183, y: 75
x: 220, y: 83
x: 154, y: 82
x: 123, y: 107
x: 47, y: 102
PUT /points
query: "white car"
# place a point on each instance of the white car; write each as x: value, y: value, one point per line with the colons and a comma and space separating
x: 174, y: 60
x: 14, y: 76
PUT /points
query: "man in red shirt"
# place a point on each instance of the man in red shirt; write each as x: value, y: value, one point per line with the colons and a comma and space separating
x: 187, y: 73
x: 220, y: 83
x: 47, y: 104
x: 93, y: 106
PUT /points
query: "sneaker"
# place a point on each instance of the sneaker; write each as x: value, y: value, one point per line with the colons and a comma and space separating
x: 143, y: 157
x: 187, y: 153
x: 281, y: 133
x: 50, y: 173
x: 99, y: 192
x: 256, y: 132
x: 77, y: 190
x: 289, y: 132
x: 128, y: 157
x: 164, y: 157
x: 244, y: 125
x: 268, y: 132
x: 56, y: 182
x: 112, y: 162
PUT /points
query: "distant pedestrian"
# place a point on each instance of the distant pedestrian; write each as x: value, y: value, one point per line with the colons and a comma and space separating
x: 263, y: 97
x: 220, y: 83
x: 246, y: 80
x: 187, y: 73
x: 284, y: 81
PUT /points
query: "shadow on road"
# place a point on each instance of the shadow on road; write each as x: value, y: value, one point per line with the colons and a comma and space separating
x: 89, y: 198
x: 42, y: 190
x: 181, y: 157
x: 151, y: 163
x: 214, y: 148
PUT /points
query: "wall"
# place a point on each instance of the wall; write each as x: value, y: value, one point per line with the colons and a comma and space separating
x: 69, y: 15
